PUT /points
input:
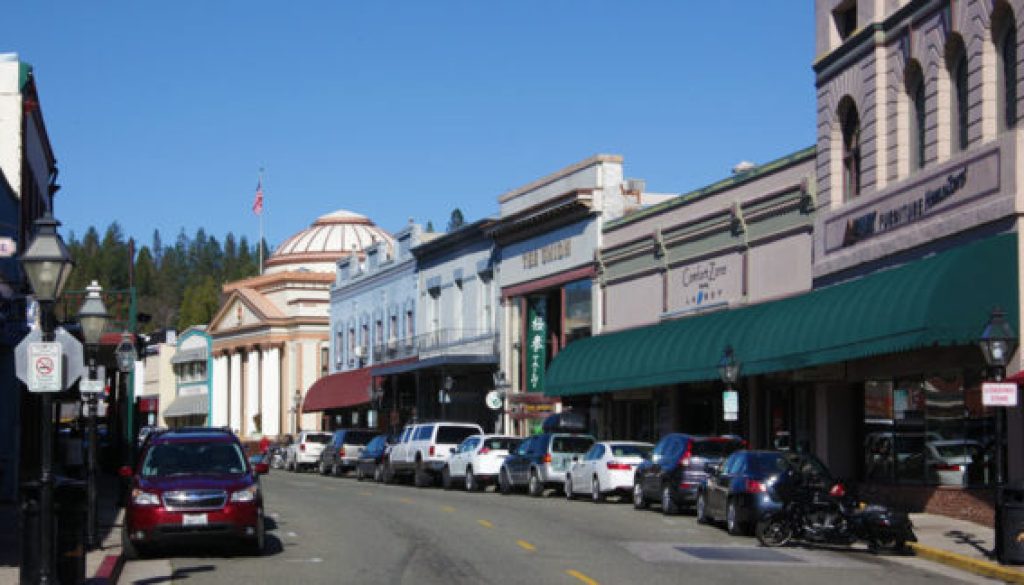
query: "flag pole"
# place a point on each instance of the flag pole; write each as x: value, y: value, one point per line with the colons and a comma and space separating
x: 259, y: 243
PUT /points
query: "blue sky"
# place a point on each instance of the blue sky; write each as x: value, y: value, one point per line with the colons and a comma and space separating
x: 162, y: 113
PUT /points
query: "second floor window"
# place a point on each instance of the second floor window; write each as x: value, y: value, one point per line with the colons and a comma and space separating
x: 850, y: 125
x: 1008, y: 66
x: 958, y: 75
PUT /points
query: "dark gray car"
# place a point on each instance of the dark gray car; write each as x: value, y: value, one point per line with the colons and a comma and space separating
x: 342, y: 452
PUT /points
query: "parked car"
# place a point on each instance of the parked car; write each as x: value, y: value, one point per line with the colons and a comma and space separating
x: 677, y: 468
x: 371, y: 458
x: 305, y: 451
x: 476, y: 461
x: 951, y: 460
x: 607, y: 468
x: 736, y: 490
x: 189, y: 485
x: 423, y: 449
x: 541, y: 461
x: 342, y: 451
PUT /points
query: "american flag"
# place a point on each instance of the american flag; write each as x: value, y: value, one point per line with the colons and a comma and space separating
x: 257, y: 205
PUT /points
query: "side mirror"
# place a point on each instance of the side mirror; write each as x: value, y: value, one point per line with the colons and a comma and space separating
x: 262, y: 468
x: 125, y: 471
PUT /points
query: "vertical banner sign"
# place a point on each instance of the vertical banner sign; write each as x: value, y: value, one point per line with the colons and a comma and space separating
x: 536, y: 343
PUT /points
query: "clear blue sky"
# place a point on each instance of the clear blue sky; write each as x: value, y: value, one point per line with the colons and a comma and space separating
x: 162, y: 113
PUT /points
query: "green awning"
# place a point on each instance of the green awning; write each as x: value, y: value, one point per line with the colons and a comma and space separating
x: 942, y: 300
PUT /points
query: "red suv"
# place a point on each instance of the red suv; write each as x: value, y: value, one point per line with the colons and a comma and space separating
x: 193, y: 483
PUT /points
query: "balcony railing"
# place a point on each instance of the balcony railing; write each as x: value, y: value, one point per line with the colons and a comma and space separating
x: 437, y: 343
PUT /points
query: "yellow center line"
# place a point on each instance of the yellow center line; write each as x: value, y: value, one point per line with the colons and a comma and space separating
x: 447, y: 508
x: 581, y: 577
x: 486, y: 523
x: 405, y: 500
x: 526, y: 545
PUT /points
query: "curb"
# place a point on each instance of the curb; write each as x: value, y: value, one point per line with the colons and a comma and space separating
x: 966, y: 563
x: 109, y: 570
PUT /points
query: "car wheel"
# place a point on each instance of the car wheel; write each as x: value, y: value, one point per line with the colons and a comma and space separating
x: 378, y: 473
x: 595, y: 491
x: 639, y: 501
x: 260, y: 542
x: 446, y: 478
x: 535, y: 487
x: 323, y: 468
x: 129, y: 550
x: 732, y: 519
x: 472, y: 484
x: 569, y: 494
x: 389, y: 473
x: 504, y: 482
x: 668, y: 506
x: 702, y: 511
x: 420, y: 477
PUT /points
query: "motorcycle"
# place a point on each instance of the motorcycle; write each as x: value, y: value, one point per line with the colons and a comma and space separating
x: 828, y: 515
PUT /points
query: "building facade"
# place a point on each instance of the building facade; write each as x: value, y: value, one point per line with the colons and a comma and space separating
x: 189, y: 403
x: 271, y: 334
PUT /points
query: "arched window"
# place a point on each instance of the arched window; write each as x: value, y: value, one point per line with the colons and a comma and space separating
x: 956, y: 61
x: 914, y: 84
x: 1009, y: 63
x: 850, y: 124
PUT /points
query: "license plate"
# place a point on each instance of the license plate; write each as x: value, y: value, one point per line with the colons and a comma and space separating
x: 194, y: 520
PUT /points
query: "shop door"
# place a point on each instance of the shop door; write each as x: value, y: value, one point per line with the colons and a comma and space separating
x: 791, y: 413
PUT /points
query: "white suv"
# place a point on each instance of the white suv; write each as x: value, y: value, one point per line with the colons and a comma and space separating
x: 423, y: 449
x: 305, y: 451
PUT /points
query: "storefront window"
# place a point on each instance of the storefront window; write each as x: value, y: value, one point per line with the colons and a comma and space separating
x: 578, y: 310
x: 930, y: 430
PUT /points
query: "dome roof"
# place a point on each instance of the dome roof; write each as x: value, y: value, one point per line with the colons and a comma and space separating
x: 331, y: 237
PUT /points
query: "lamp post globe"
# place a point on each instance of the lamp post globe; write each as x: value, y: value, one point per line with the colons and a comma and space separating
x: 125, y: 353
x: 998, y: 341
x: 46, y: 261
x: 728, y: 367
x: 93, y: 314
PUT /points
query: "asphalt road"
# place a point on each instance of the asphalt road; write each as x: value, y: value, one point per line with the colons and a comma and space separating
x: 339, y: 530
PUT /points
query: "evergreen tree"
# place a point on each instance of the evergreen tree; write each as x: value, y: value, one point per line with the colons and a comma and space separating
x: 456, y: 220
x: 430, y: 227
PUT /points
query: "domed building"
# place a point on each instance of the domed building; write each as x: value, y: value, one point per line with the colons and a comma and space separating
x: 270, y: 335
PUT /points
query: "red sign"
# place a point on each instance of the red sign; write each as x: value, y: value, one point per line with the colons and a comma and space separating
x: 999, y: 394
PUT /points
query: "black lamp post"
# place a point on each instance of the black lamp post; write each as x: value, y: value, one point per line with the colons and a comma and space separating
x: 998, y: 342
x: 729, y: 372
x: 93, y: 317
x: 47, y: 265
x: 125, y: 355
x: 501, y: 386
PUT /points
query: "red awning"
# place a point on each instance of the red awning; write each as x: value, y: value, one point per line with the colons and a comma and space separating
x: 341, y: 390
x: 1017, y: 378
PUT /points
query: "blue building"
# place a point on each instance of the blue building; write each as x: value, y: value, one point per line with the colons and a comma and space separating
x: 193, y: 382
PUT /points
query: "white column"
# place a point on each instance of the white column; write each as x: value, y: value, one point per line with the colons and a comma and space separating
x: 219, y: 414
x: 252, y: 391
x: 235, y: 416
x: 272, y: 391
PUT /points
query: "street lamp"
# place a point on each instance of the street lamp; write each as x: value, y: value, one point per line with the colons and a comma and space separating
x: 998, y: 342
x: 124, y: 354
x: 501, y: 386
x: 729, y: 372
x: 93, y: 317
x: 47, y: 265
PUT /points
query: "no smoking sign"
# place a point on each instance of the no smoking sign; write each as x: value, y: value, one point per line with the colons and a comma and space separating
x: 44, y: 367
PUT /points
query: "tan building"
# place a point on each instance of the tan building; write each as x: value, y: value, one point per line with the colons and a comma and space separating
x: 270, y: 335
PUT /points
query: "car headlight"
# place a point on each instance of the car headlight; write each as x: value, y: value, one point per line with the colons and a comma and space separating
x: 143, y: 498
x: 246, y: 495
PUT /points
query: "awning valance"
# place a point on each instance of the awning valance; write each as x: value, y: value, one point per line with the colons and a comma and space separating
x: 942, y: 300
x: 340, y: 390
x: 188, y: 405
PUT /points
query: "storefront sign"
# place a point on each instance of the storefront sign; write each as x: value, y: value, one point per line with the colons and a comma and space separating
x: 547, y: 254
x: 536, y: 343
x: 999, y: 394
x: 710, y: 282
x: 922, y: 200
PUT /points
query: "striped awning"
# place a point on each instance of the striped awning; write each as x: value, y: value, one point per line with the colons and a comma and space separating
x: 190, y: 405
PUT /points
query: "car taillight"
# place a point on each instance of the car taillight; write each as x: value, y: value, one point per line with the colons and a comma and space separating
x: 617, y: 466
x: 431, y: 450
x: 547, y: 458
x: 341, y: 452
x: 302, y: 446
x: 946, y: 467
x: 837, y: 491
x: 685, y: 459
x: 754, y: 487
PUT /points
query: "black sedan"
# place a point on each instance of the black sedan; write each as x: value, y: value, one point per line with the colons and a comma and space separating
x: 735, y: 491
x: 371, y: 460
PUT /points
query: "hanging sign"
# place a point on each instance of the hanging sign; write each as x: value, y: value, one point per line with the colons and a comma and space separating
x: 44, y: 367
x: 999, y: 394
x: 536, y: 343
x: 730, y: 405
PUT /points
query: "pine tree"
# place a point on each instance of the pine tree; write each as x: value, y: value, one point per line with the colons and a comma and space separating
x: 456, y: 220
